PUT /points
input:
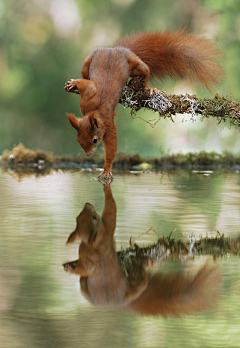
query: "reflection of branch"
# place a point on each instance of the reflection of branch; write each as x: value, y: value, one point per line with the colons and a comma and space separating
x: 136, y: 97
x: 133, y: 257
x: 217, y: 246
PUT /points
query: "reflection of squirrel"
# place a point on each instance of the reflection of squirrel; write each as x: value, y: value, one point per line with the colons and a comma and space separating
x: 103, y: 281
x: 177, y: 294
x: 149, y: 54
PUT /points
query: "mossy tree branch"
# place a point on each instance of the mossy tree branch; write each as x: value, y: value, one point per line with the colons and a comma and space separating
x: 132, y: 258
x: 135, y: 97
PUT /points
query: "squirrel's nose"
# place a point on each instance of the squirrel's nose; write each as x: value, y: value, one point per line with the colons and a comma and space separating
x: 89, y: 153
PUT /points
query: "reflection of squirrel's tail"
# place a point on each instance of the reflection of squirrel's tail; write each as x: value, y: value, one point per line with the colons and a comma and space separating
x: 176, y: 55
x: 175, y: 295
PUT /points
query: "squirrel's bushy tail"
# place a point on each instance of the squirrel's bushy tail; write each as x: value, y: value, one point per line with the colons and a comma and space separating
x: 176, y: 295
x: 176, y: 55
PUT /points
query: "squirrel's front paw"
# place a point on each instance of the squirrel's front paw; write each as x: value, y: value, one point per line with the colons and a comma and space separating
x: 68, y: 268
x: 105, y: 182
x: 105, y: 175
x: 71, y: 86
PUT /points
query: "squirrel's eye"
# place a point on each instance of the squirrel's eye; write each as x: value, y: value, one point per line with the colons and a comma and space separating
x: 95, y: 140
x: 94, y: 219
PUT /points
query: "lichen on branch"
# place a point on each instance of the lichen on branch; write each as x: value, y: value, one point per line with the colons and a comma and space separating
x: 136, y: 97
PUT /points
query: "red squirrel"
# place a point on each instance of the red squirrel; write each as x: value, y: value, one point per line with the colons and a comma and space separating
x: 149, y: 54
x: 136, y: 290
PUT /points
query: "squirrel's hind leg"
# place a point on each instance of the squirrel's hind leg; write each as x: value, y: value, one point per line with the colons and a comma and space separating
x: 139, y: 68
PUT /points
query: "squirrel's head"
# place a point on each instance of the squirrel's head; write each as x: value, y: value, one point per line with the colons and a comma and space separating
x: 88, y: 225
x: 89, y: 131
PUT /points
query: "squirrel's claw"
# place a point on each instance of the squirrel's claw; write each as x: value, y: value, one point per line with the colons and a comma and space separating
x: 70, y: 84
x: 152, y: 90
x: 68, y: 268
x: 105, y: 183
x: 105, y: 175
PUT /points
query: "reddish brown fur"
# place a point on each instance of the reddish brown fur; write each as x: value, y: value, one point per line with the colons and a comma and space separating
x: 177, y: 55
x: 102, y: 281
x: 106, y: 70
x: 176, y: 295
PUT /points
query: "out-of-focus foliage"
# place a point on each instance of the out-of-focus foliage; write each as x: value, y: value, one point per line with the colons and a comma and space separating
x: 43, y: 43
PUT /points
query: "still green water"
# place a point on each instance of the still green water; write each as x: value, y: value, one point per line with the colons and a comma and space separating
x: 41, y: 305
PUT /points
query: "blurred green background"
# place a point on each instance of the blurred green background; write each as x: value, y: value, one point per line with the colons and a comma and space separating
x: 43, y: 43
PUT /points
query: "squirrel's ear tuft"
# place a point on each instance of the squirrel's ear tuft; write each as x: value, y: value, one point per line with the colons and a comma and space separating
x: 93, y: 119
x: 75, y: 122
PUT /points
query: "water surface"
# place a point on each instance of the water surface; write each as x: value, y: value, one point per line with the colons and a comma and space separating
x: 41, y: 305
